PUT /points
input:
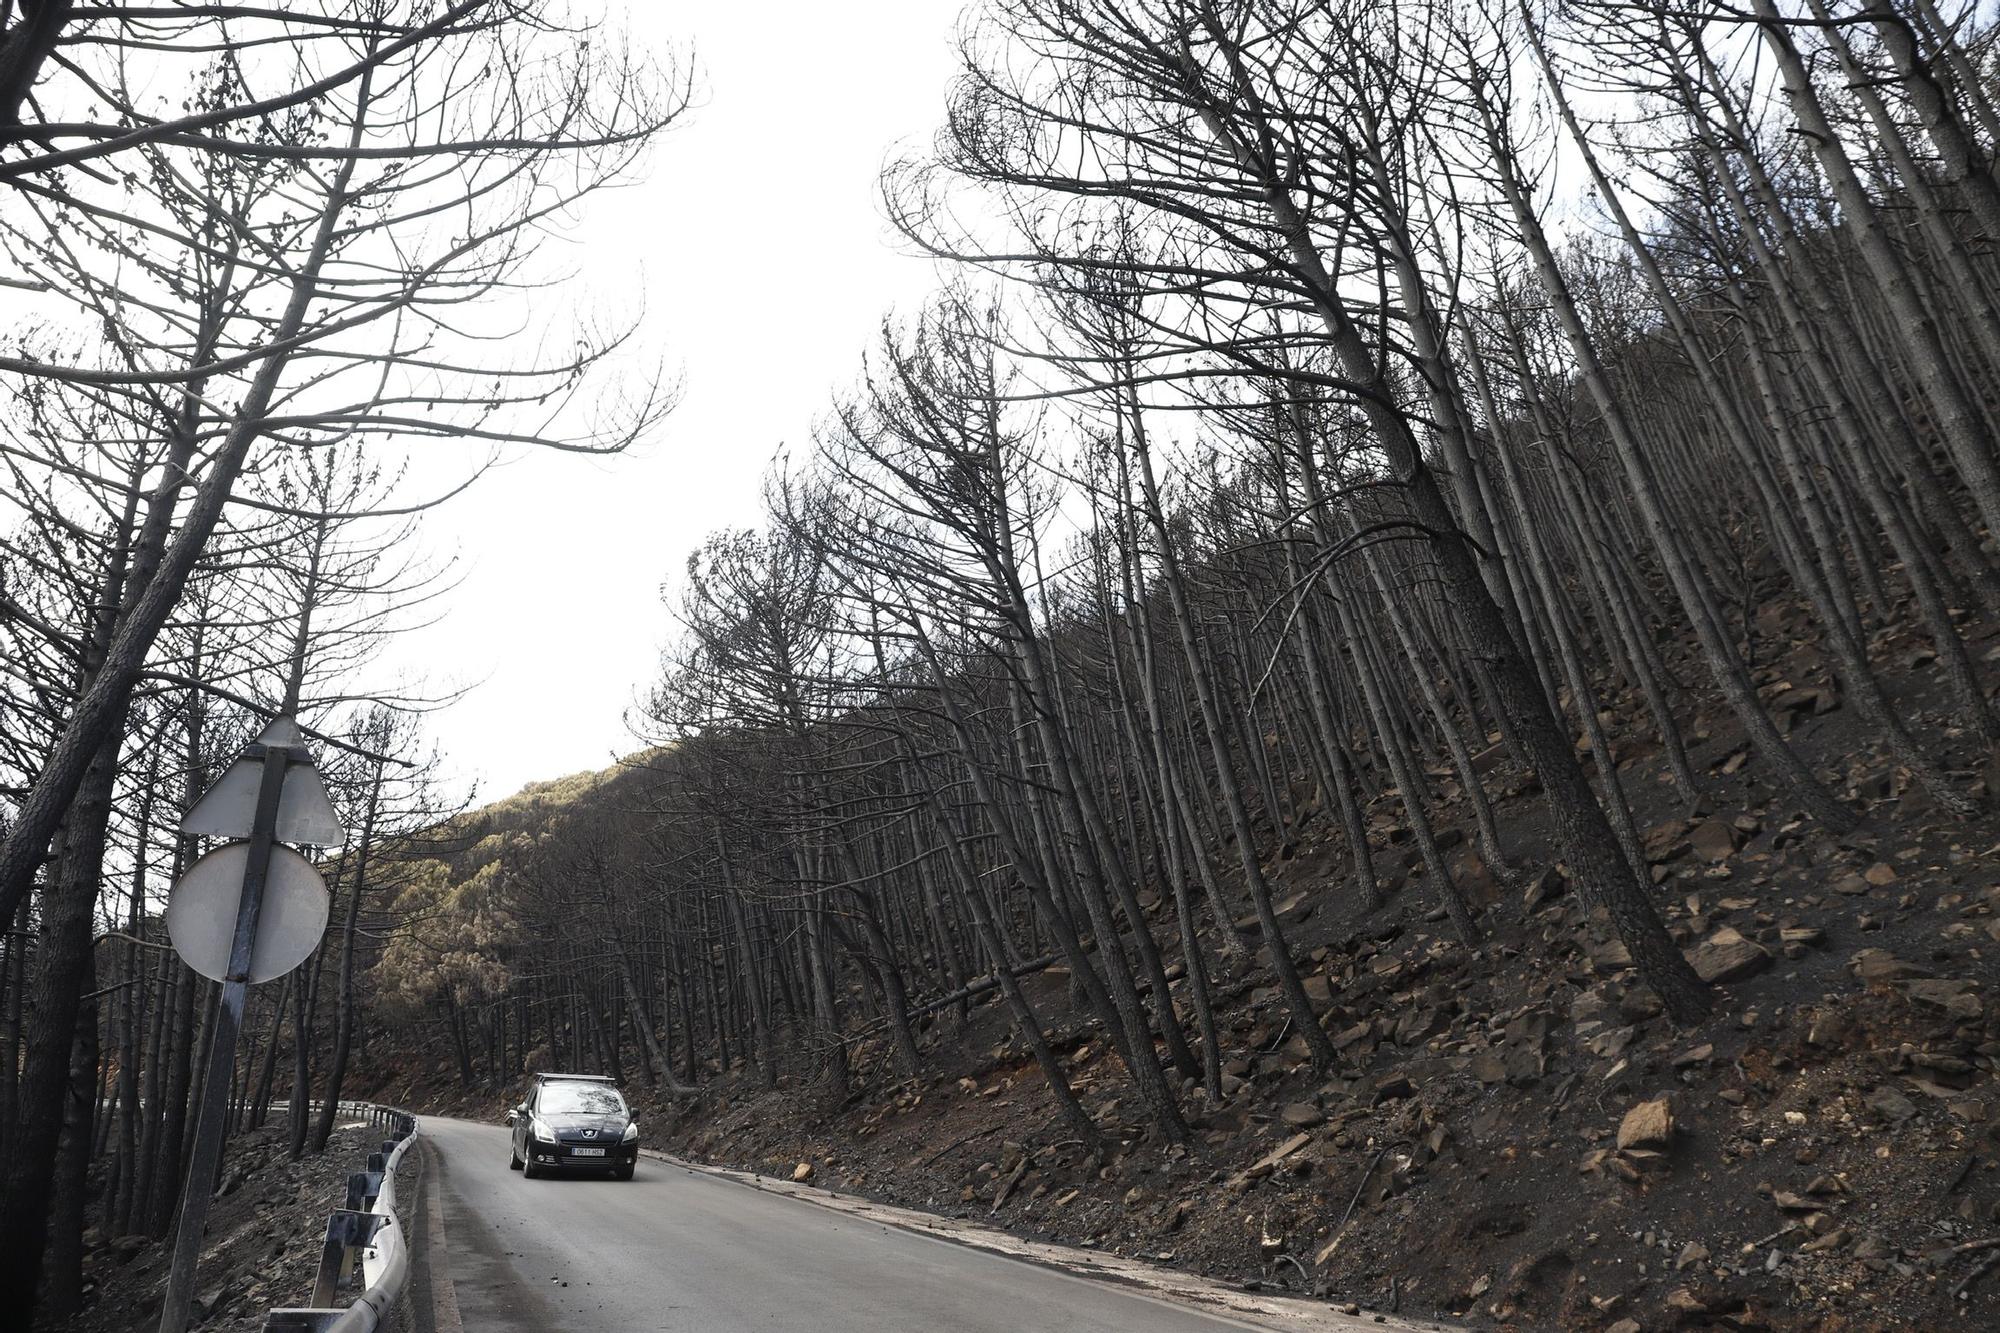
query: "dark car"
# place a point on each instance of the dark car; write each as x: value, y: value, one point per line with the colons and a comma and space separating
x: 574, y: 1122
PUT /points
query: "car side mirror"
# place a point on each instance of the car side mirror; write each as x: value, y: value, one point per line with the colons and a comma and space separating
x: 513, y: 1114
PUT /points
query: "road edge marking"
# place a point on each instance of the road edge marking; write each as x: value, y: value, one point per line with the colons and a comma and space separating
x: 437, y: 1248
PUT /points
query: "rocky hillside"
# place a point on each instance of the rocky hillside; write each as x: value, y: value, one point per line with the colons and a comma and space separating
x: 1819, y: 1155
x: 263, y: 1240
x: 1516, y: 1135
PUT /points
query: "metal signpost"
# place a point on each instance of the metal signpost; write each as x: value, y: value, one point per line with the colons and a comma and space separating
x: 271, y: 792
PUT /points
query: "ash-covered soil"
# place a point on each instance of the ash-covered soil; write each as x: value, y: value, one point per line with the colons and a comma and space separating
x: 261, y: 1248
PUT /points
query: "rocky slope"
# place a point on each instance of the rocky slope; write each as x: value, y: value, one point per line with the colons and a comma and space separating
x: 261, y: 1248
x: 1516, y: 1136
x: 1539, y: 1155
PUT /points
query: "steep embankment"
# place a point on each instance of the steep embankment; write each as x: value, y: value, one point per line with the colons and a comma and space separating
x: 1514, y: 1135
x: 1517, y: 1136
x: 264, y: 1237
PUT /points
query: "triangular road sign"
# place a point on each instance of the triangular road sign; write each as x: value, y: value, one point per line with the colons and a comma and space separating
x: 305, y: 812
x: 280, y: 731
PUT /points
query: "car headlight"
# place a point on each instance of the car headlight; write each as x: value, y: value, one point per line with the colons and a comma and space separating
x: 631, y: 1132
x: 540, y: 1128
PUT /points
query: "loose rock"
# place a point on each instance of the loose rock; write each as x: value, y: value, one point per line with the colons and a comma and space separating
x: 1648, y: 1125
x: 1728, y: 955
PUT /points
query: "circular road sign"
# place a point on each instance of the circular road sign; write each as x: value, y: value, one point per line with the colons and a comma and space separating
x: 201, y: 912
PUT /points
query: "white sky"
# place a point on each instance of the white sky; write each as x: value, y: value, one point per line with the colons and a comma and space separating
x: 765, y: 265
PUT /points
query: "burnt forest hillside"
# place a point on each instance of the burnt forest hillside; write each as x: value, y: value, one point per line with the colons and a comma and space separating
x: 1453, y: 772
x: 1389, y: 692
x: 852, y: 928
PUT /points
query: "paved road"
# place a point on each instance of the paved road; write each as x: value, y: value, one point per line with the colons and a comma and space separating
x: 679, y: 1250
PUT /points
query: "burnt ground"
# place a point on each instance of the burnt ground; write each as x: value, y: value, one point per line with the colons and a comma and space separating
x: 261, y: 1248
x: 1516, y: 1136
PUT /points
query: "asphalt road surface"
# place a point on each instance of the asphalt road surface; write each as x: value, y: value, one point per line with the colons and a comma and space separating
x: 679, y: 1250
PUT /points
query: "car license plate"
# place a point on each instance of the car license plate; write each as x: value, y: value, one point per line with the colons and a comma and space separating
x: 586, y: 1152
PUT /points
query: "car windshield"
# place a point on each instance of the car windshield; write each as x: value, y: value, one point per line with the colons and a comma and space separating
x: 580, y: 1099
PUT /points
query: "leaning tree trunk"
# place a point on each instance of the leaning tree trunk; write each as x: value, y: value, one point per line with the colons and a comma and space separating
x: 1290, y: 985
x: 1588, y: 843
x: 1724, y: 664
x: 1959, y: 419
x: 62, y: 1273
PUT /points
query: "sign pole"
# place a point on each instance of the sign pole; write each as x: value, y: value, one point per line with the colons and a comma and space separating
x: 222, y: 1050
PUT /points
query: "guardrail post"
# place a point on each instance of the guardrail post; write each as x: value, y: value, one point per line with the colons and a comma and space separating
x: 346, y: 1232
x: 351, y: 1230
x: 332, y: 1258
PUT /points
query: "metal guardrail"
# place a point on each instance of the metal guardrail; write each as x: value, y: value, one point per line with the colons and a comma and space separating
x: 363, y: 1236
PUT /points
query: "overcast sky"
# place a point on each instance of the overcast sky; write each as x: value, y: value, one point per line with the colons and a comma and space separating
x: 765, y: 266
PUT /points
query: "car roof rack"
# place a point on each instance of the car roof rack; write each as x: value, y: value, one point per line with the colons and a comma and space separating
x: 575, y: 1078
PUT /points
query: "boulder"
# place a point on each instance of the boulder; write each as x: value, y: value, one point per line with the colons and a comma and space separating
x: 1650, y: 1124
x: 1714, y: 840
x: 1872, y: 965
x: 1831, y: 1026
x: 1890, y: 1104
x: 1347, y: 1037
x: 1524, y: 1065
x: 1728, y: 955
x: 1608, y: 955
x: 1664, y: 842
x: 1817, y: 699
x: 1699, y: 1055
x: 1417, y: 1024
x: 1955, y: 997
